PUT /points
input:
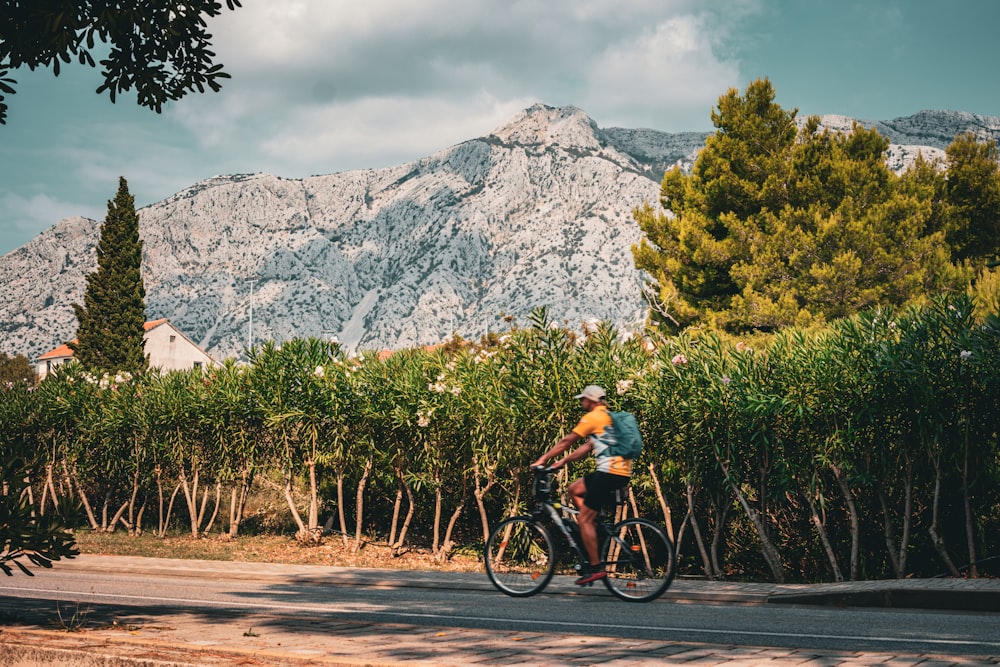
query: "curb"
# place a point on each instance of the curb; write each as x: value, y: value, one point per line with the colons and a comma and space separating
x: 897, y: 598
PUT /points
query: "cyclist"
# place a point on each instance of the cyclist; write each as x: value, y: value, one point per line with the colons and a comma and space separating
x: 595, y: 489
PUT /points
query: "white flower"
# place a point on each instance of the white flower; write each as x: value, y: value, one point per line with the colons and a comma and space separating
x: 726, y: 379
x: 319, y: 372
x: 456, y: 390
x: 679, y: 359
x: 623, y: 386
x: 334, y: 340
x: 423, y: 421
x: 437, y: 387
x: 743, y: 347
x: 965, y: 355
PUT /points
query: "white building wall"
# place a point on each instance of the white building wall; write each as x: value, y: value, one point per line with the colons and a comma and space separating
x: 170, y: 350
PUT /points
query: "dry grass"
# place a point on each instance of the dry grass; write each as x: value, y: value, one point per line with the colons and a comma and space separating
x: 271, y: 549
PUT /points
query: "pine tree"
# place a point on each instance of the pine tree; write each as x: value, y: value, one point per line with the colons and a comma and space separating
x: 110, y: 332
x: 779, y: 226
x: 973, y: 192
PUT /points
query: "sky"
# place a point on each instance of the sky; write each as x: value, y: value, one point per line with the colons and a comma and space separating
x: 324, y: 86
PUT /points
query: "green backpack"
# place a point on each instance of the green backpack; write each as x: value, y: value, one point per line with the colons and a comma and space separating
x: 623, y: 438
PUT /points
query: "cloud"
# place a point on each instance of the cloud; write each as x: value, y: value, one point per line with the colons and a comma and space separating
x: 355, y: 85
x: 672, y: 68
x: 379, y: 131
x: 26, y: 217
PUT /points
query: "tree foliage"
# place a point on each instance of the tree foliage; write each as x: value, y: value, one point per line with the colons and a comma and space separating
x: 162, y: 49
x: 778, y: 226
x: 110, y: 331
x: 16, y: 369
x: 973, y: 192
x: 25, y: 532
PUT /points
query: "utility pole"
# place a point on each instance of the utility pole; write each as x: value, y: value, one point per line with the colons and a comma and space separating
x: 251, y: 279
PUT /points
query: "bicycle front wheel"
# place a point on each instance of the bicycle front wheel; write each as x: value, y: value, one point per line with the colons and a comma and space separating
x: 639, y: 560
x: 520, y: 557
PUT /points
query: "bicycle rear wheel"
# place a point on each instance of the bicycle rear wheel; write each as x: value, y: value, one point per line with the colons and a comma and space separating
x: 639, y: 560
x: 520, y: 558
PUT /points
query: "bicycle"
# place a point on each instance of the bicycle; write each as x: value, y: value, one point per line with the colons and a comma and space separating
x: 521, y: 554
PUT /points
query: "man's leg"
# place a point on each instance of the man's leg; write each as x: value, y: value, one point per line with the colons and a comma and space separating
x: 587, y: 520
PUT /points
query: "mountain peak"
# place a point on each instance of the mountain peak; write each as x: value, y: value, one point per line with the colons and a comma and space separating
x: 542, y: 125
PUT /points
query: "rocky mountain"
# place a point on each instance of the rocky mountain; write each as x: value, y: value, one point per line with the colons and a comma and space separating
x: 536, y: 213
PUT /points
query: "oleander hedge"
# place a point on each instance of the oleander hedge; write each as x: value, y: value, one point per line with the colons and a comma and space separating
x: 864, y: 449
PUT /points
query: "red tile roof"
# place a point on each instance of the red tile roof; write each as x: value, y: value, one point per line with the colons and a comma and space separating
x: 66, y: 351
x: 62, y: 351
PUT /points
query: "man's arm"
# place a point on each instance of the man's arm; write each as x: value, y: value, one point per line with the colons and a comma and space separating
x: 577, y: 454
x: 564, y: 443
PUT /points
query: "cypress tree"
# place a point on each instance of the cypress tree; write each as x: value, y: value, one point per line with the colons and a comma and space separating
x: 110, y: 331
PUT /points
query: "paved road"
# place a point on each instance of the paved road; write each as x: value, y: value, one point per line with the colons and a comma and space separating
x: 276, y: 613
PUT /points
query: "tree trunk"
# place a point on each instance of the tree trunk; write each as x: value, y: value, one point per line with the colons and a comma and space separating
x: 359, y: 515
x: 245, y: 487
x: 238, y: 503
x: 215, y: 512
x: 664, y: 507
x: 119, y: 516
x: 138, y: 519
x: 438, y: 501
x: 820, y: 525
x: 86, y: 504
x: 45, y: 490
x: 904, y: 540
x: 131, y: 503
x: 696, y: 529
x: 303, y: 534
x: 480, y: 491
x: 170, y: 508
x: 970, y: 526
x: 396, y: 506
x: 890, y: 541
x: 397, y: 547
x: 852, y: 511
x: 191, y: 496
x: 313, y: 501
x: 446, y: 547
x: 340, y: 508
x: 718, y: 534
x: 767, y: 548
x: 936, y: 537
x: 105, y: 527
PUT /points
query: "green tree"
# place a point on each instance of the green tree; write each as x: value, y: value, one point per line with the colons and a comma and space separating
x: 24, y: 532
x: 110, y: 333
x: 973, y: 192
x: 777, y: 226
x: 15, y: 369
x: 162, y: 49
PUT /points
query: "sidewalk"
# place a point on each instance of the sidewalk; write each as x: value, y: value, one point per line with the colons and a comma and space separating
x: 31, y: 632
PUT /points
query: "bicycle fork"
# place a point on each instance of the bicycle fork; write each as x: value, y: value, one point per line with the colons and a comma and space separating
x: 571, y: 532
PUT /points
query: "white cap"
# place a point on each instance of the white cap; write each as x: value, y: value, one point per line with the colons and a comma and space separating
x: 593, y: 392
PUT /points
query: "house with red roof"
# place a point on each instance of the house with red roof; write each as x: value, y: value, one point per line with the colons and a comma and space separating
x: 166, y: 348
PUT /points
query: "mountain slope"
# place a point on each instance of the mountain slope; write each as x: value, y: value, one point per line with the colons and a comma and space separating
x: 536, y: 213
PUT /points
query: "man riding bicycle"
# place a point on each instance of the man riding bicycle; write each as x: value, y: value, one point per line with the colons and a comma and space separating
x: 595, y: 489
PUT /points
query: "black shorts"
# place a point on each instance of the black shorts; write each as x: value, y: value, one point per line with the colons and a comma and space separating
x: 601, y: 487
